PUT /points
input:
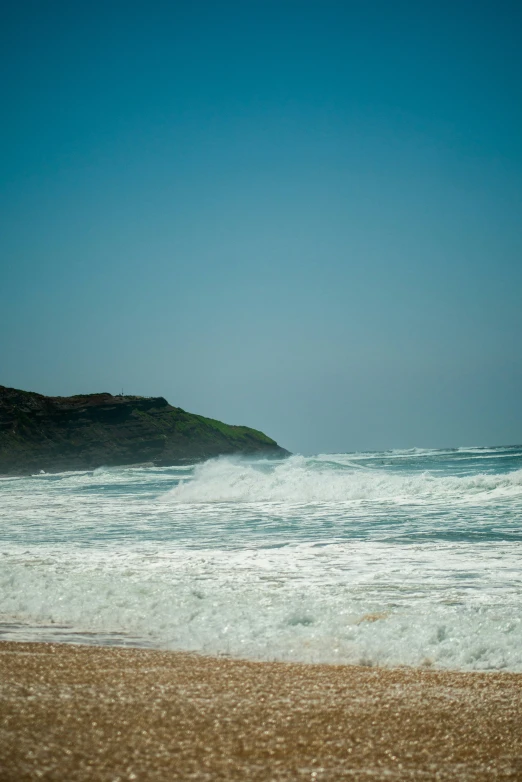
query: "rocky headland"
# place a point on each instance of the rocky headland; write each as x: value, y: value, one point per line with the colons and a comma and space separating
x: 83, y: 432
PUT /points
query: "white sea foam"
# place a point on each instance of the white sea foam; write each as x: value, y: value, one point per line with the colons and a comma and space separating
x: 337, y: 558
x: 363, y: 603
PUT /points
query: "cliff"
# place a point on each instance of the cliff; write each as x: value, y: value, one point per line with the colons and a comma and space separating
x: 87, y: 431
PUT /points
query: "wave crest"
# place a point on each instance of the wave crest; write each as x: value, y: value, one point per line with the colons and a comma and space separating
x: 308, y: 480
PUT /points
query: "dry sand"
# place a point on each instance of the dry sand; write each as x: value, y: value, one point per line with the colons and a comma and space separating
x: 96, y: 713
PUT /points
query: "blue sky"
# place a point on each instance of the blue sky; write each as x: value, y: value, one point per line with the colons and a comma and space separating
x: 300, y: 216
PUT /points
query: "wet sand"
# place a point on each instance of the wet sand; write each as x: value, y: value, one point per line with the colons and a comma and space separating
x: 95, y: 713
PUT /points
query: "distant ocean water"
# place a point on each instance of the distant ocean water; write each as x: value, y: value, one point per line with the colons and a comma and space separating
x: 394, y: 558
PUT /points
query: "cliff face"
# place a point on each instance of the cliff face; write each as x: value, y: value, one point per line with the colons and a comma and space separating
x: 83, y: 432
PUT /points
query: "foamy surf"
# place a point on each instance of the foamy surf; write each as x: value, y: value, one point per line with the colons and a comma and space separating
x: 383, y: 559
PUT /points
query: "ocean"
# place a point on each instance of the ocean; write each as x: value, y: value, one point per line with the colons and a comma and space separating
x: 397, y: 558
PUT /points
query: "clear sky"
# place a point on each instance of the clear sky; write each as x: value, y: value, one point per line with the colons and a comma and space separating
x: 303, y: 216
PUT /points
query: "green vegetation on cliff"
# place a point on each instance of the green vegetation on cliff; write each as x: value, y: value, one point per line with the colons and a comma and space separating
x: 88, y: 431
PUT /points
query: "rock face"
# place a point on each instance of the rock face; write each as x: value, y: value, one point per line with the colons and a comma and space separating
x: 83, y: 432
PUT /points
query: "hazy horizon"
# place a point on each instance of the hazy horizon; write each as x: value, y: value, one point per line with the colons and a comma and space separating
x: 300, y: 217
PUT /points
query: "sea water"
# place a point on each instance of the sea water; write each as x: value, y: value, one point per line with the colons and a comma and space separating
x: 394, y: 558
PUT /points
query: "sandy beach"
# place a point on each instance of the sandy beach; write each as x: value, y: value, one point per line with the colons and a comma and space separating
x: 98, y: 713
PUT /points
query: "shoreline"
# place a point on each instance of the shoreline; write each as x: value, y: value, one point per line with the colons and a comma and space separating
x: 104, y: 713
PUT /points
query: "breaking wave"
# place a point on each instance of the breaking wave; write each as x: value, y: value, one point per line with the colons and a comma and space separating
x: 313, y: 480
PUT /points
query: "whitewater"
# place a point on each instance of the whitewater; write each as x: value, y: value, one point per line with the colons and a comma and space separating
x: 394, y: 558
